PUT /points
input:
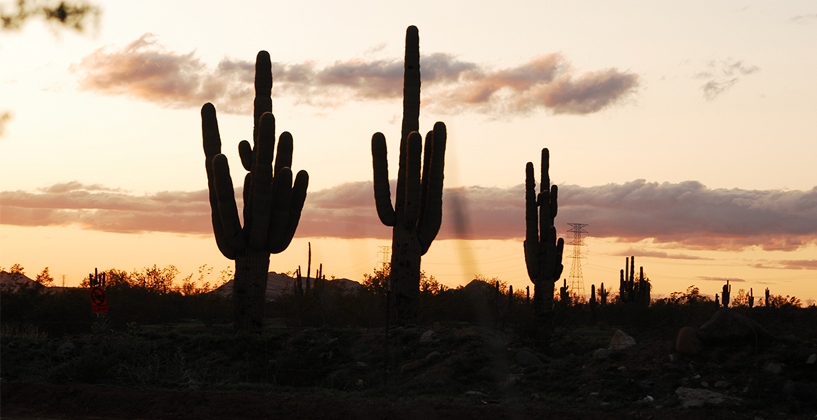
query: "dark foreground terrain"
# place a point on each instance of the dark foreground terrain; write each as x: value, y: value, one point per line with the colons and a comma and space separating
x: 441, y: 370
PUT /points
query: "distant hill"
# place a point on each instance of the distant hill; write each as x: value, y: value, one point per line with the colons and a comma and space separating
x: 278, y: 284
x: 12, y: 282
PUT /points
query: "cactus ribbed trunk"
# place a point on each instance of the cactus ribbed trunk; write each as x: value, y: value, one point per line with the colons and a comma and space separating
x: 250, y: 289
x: 404, y: 279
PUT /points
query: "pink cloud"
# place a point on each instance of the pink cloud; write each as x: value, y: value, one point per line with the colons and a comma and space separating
x: 686, y: 214
x: 146, y: 70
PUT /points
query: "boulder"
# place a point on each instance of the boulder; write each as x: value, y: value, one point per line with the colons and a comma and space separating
x: 694, y: 397
x: 428, y: 337
x: 526, y: 358
x: 728, y: 327
x: 687, y: 342
x: 621, y: 341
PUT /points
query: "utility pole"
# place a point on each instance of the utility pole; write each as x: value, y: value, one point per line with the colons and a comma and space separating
x: 576, y: 280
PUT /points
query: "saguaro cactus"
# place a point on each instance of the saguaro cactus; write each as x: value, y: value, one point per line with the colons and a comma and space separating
x: 417, y: 211
x: 602, y: 295
x: 543, y: 253
x: 725, y: 292
x: 272, y: 203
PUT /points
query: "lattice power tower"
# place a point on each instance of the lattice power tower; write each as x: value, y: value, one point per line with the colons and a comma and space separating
x: 576, y: 281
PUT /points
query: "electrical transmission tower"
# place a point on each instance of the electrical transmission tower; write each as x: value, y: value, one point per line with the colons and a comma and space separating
x: 385, y: 253
x: 576, y: 280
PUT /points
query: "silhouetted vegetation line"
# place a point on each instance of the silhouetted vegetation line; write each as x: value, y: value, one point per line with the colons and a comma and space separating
x: 416, y: 215
x: 272, y: 203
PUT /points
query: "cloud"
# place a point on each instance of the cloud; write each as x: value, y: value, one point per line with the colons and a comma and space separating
x: 146, y: 70
x: 722, y: 75
x: 143, y: 69
x: 806, y: 19
x: 641, y: 252
x: 722, y: 279
x: 685, y: 215
x: 96, y: 208
x: 789, y: 265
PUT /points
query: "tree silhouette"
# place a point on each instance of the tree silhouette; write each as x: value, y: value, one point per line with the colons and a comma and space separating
x: 73, y: 15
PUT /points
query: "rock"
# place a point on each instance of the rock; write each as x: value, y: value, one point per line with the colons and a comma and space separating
x: 601, y: 354
x: 621, y: 341
x: 774, y: 368
x: 691, y: 397
x: 526, y: 358
x: 511, y: 380
x: 408, y: 367
x: 723, y: 384
x: 727, y: 327
x: 812, y: 359
x: 687, y: 342
x: 475, y: 394
x: 428, y: 337
x: 66, y: 349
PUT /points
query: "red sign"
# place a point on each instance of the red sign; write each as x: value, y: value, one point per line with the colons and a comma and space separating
x: 98, y: 302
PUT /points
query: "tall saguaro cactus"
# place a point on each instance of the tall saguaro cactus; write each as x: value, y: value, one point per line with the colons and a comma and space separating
x: 272, y: 203
x: 417, y: 211
x: 543, y: 253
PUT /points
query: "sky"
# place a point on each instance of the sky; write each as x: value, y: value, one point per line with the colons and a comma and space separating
x: 681, y: 133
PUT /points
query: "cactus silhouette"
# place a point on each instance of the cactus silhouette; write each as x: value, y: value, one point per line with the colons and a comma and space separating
x: 417, y: 211
x: 726, y: 291
x: 272, y: 203
x: 543, y: 253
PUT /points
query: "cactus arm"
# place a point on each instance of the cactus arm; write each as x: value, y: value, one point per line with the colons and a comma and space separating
x: 279, y: 243
x: 411, y: 83
x: 411, y: 197
x: 245, y: 153
x: 433, y: 175
x: 262, y: 102
x: 382, y: 193
x: 232, y: 237
x: 411, y: 114
x: 280, y: 211
x: 531, y: 243
x: 544, y: 198
x: 262, y: 180
x: 283, y: 156
x: 212, y: 146
x: 428, y: 150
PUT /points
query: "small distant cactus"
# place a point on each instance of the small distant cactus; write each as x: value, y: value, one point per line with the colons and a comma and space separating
x: 564, y: 295
x: 602, y: 295
x: 727, y: 289
x: 633, y: 291
x: 594, y: 304
x: 417, y: 212
x: 543, y: 252
x: 97, y: 279
x: 272, y: 204
x: 751, y: 299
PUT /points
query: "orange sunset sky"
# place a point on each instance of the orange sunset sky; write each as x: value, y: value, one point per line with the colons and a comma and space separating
x: 682, y: 134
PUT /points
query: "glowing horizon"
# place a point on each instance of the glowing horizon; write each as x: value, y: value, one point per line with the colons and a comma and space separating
x: 691, y: 150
